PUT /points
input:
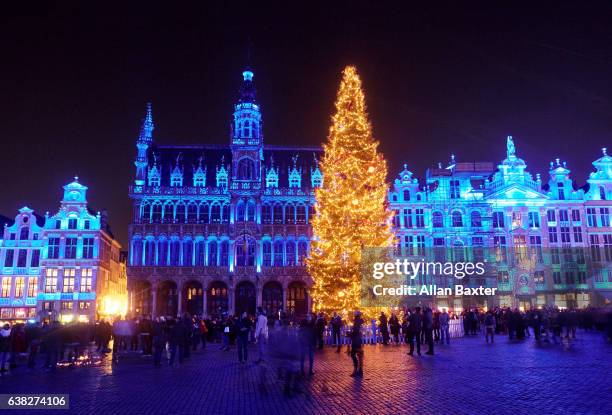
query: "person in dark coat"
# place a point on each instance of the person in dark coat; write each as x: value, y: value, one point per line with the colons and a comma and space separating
x: 357, y: 346
x: 159, y: 341
x: 336, y: 325
x: 243, y: 327
x: 428, y: 329
x: 308, y: 336
x: 176, y: 340
x: 394, y: 324
x: 384, y: 328
x: 415, y: 325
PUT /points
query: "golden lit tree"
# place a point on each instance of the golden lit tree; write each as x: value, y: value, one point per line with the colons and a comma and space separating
x: 351, y: 205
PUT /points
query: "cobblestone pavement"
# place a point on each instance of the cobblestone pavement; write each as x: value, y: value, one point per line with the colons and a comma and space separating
x: 467, y: 377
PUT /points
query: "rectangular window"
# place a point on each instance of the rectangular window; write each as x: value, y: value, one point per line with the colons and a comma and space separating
x: 538, y: 277
x: 35, y: 260
x: 396, y: 218
x: 535, y: 241
x: 565, y: 234
x: 501, y: 254
x: 84, y: 305
x: 72, y: 223
x: 51, y: 280
x: 557, y: 277
x: 54, y: 248
x: 454, y: 189
x: 591, y: 217
x: 66, y: 305
x: 555, y: 258
x: 595, y: 252
x: 408, y: 218
x: 22, y: 258
x: 607, y: 242
x: 71, y: 248
x: 420, y: 218
x: 86, y: 277
x: 19, y: 286
x: 86, y: 224
x: 517, y: 220
x: 581, y: 277
x: 32, y: 286
x: 575, y: 215
x: 563, y: 216
x: 552, y: 235
x: 503, y: 277
x: 6, y: 287
x: 569, y: 277
x: 498, y: 220
x: 58, y: 224
x: 9, y: 258
x: 68, y: 281
x: 550, y: 216
x: 577, y: 234
x: 88, y: 248
x: 605, y: 217
x: 534, y: 220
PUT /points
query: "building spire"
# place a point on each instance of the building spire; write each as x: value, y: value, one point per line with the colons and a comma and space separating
x: 145, y: 139
x: 146, y: 130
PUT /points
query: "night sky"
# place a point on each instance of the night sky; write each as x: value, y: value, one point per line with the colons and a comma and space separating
x: 75, y: 79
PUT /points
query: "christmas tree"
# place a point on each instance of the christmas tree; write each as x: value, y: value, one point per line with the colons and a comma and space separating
x: 351, y: 205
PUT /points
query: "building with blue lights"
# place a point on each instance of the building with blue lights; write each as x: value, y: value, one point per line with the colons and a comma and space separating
x: 20, y: 262
x: 225, y: 228
x: 221, y: 228
x: 65, y: 266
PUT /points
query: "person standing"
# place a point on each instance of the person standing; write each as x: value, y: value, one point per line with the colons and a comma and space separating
x: 261, y: 332
x: 320, y: 327
x: 428, y: 329
x: 489, y: 323
x: 444, y: 327
x: 243, y: 327
x: 176, y: 340
x: 356, y: 346
x: 336, y: 325
x: 395, y: 327
x: 307, y: 340
x: 384, y: 328
x: 436, y: 325
x: 415, y: 325
x: 5, y: 346
x: 203, y: 331
x: 159, y: 341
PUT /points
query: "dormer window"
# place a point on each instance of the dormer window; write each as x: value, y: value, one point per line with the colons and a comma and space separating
x: 176, y: 180
x: 272, y: 178
x: 72, y: 223
x: 154, y: 181
x: 199, y: 181
x: 295, y: 179
x: 561, y: 191
x: 406, y: 195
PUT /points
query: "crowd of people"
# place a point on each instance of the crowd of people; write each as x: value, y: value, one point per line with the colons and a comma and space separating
x: 171, y: 340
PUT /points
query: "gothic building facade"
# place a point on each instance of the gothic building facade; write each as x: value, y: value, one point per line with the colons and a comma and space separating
x: 220, y: 228
x: 225, y: 228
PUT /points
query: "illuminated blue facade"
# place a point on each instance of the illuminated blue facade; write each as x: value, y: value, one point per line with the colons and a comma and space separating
x: 221, y: 228
x: 61, y: 267
x: 465, y: 208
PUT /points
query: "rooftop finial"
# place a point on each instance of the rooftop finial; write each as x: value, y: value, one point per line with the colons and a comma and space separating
x: 510, y: 148
x: 604, y: 150
x: 76, y: 179
x: 558, y: 161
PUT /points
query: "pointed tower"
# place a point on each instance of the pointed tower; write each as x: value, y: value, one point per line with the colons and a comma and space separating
x: 145, y: 139
x: 246, y: 133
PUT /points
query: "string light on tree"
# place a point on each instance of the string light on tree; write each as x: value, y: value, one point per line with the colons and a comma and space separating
x: 351, y: 206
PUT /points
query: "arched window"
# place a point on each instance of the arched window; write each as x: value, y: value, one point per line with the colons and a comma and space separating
x: 300, y: 214
x: 168, y: 213
x: 187, y: 253
x: 192, y: 213
x: 137, y: 251
x: 476, y: 219
x: 245, y: 252
x: 246, y: 129
x: 215, y: 213
x: 289, y: 213
x: 302, y: 252
x: 24, y: 233
x: 278, y: 213
x: 224, y: 253
x: 290, y: 253
x: 437, y: 220
x: 457, y: 219
x: 146, y: 213
x: 180, y: 213
x: 156, y: 213
x: 175, y: 250
x: 278, y: 253
x: 250, y: 211
x: 225, y: 209
x: 212, y: 253
x: 246, y: 169
x: 200, y: 253
x: 149, y: 252
x: 406, y: 195
x: 266, y: 213
x: 204, y: 213
x: 267, y: 253
x: 240, y: 210
x: 162, y: 252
